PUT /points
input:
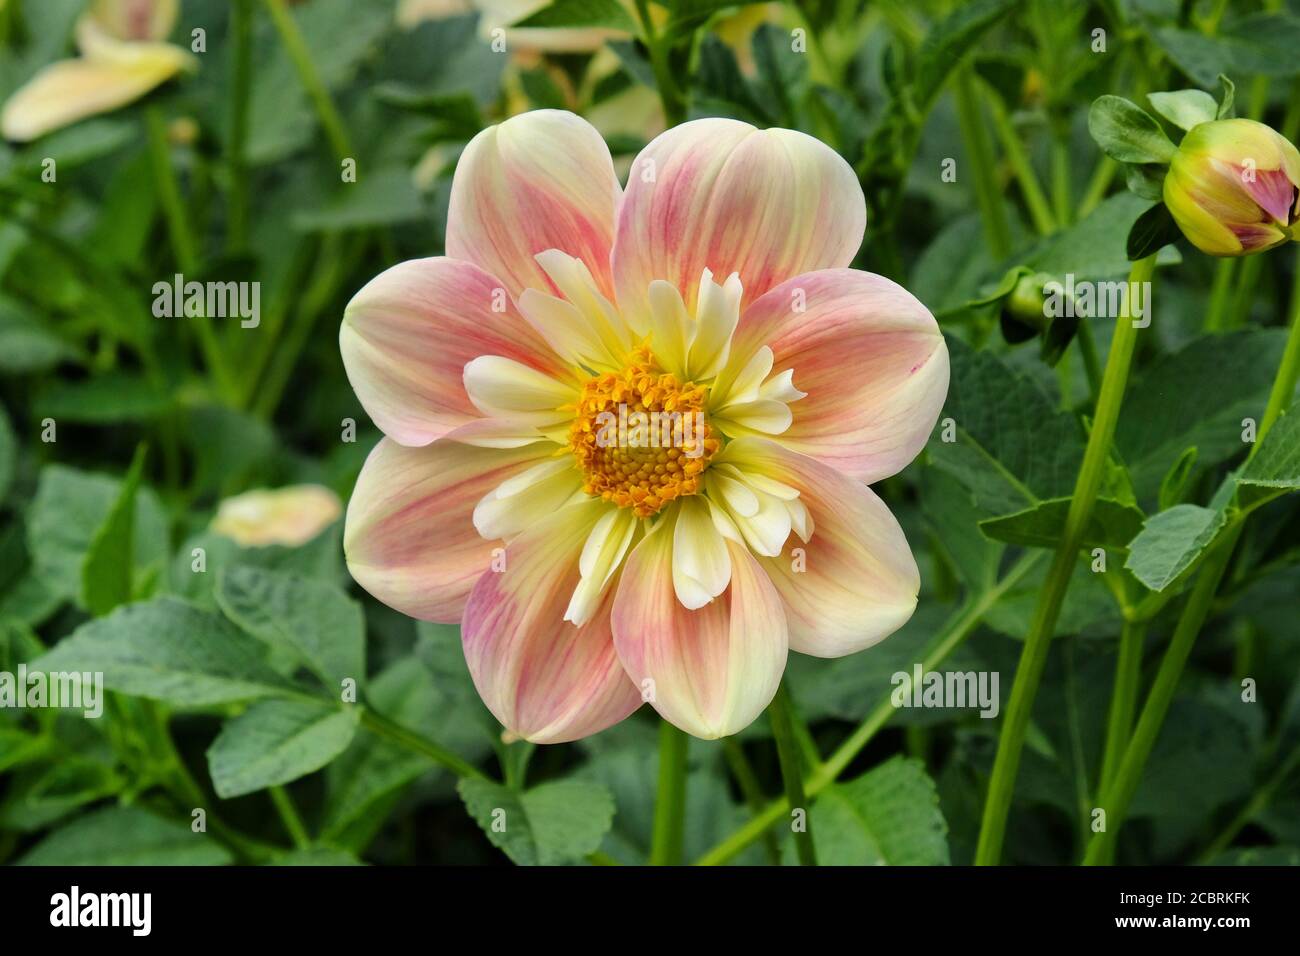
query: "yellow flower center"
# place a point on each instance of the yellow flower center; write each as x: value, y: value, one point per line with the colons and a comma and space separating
x: 641, y: 437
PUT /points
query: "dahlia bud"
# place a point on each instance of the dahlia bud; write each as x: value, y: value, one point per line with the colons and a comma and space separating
x: 1233, y: 186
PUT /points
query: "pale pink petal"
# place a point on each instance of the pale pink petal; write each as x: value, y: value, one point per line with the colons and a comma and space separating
x: 869, y: 356
x: 544, y: 678
x: 541, y: 180
x: 408, y: 334
x: 855, y: 582
x: 409, y: 536
x: 722, y: 195
x: 1274, y: 192
x: 713, y: 669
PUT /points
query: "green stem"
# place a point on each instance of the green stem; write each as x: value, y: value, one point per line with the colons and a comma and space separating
x: 788, y: 754
x: 1216, y: 312
x: 310, y: 78
x: 1091, y: 364
x: 183, y: 247
x: 750, y: 789
x: 1123, y: 699
x: 670, y: 95
x: 958, y: 628
x: 988, y: 195
x: 1030, y: 189
x: 1097, y: 186
x: 241, y: 59
x: 1258, y: 801
x: 1034, y: 655
x: 379, y: 724
x: 1115, y: 799
x: 670, y: 800
x: 289, y: 816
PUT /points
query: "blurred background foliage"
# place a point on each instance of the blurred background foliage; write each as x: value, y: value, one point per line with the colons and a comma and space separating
x: 233, y: 172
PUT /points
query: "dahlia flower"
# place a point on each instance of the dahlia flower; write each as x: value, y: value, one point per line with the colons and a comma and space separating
x: 629, y: 433
x: 1233, y: 187
x: 122, y: 59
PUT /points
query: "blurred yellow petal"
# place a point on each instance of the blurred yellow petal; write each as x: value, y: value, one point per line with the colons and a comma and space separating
x: 287, y: 516
x: 71, y: 90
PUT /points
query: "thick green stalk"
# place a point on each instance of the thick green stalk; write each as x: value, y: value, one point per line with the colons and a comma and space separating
x: 293, y: 824
x: 958, y: 628
x: 310, y: 78
x: 669, y: 831
x: 792, y: 771
x: 1034, y: 655
x: 670, y: 95
x: 1123, y: 700
x: 381, y: 725
x: 1115, y: 799
x: 751, y: 790
x: 1220, y: 290
x: 1062, y: 201
x: 988, y: 194
x: 1035, y: 199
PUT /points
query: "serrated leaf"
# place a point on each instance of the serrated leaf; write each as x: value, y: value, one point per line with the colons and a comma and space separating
x: 311, y: 619
x: 1170, y: 541
x: 168, y: 650
x: 1014, y: 446
x: 277, y: 741
x: 1112, y: 525
x: 554, y: 823
x: 126, y: 836
x: 889, y: 815
x: 1276, y: 463
x: 68, y: 508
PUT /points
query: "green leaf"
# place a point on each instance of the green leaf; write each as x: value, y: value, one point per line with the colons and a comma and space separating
x: 313, y: 620
x: 27, y: 343
x: 316, y: 856
x: 1170, y: 541
x: 168, y: 650
x: 949, y: 41
x: 609, y: 14
x: 889, y: 815
x: 1263, y: 43
x: 1196, y: 396
x: 1128, y: 133
x: 1112, y: 525
x: 559, y: 822
x: 1146, y: 180
x: 1093, y: 248
x: 1277, y: 461
x: 108, y: 399
x: 126, y: 836
x: 8, y: 454
x: 369, y: 777
x: 1185, y: 108
x: 378, y: 198
x: 1174, y: 484
x: 277, y: 741
x: 107, y: 572
x: 69, y: 507
x: 1014, y: 447
x: 1153, y: 230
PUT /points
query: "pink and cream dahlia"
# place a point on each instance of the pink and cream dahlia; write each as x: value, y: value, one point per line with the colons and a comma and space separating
x: 629, y: 432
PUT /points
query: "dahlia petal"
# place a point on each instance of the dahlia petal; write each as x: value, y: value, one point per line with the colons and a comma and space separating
x: 71, y: 90
x: 869, y: 357
x: 409, y: 537
x: 716, y: 313
x: 545, y: 679
x: 541, y: 180
x: 520, y: 502
x: 722, y: 195
x: 602, y: 554
x: 578, y: 286
x: 856, y: 581
x: 714, y: 669
x: 505, y: 388
x: 1274, y: 192
x: 407, y: 335
x: 701, y: 563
